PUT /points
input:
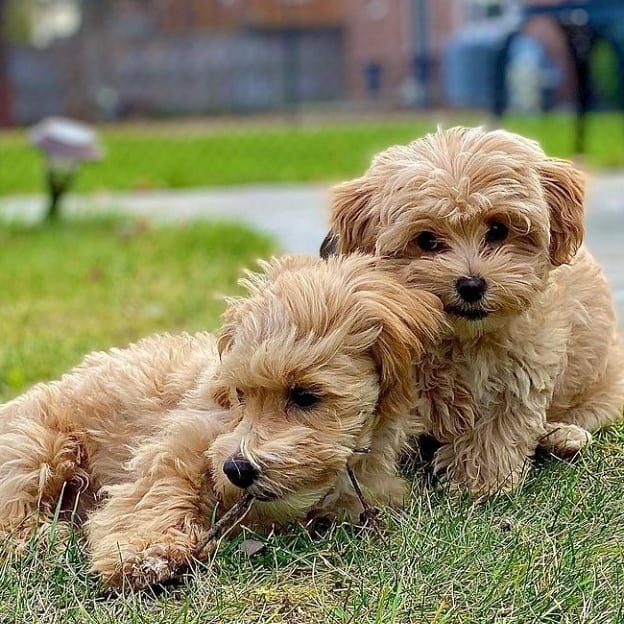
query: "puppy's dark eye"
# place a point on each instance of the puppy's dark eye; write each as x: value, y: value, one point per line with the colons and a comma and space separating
x: 303, y: 398
x: 240, y: 396
x: 497, y: 232
x: 427, y: 241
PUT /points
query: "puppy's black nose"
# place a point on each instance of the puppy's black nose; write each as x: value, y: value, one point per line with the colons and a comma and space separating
x: 241, y: 472
x: 471, y: 288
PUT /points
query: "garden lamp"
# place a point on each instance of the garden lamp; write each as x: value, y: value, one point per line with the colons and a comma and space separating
x: 65, y: 144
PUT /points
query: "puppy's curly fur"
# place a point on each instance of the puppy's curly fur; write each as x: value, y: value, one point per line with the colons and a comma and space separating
x: 531, y: 354
x: 152, y: 425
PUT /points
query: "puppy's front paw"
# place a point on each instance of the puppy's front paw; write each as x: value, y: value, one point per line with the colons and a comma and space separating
x: 445, y: 471
x: 143, y: 564
x: 154, y: 565
x: 564, y: 440
x: 443, y: 458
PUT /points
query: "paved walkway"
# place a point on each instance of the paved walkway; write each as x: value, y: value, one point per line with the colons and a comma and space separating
x: 605, y: 230
x: 296, y: 215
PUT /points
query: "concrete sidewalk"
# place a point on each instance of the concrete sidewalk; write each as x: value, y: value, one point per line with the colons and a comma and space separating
x: 605, y: 230
x: 296, y: 215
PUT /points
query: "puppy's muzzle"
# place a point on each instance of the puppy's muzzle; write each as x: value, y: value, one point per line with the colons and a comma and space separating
x: 240, y: 471
x: 471, y: 289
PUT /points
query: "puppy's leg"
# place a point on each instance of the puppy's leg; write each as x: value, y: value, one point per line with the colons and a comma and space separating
x: 37, y: 459
x: 494, y: 456
x: 481, y: 471
x: 146, y: 531
x: 149, y: 526
x: 599, y: 405
x: 602, y: 402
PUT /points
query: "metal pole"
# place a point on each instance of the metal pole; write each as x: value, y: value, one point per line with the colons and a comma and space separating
x: 58, y: 184
x: 421, y: 53
x: 579, y: 39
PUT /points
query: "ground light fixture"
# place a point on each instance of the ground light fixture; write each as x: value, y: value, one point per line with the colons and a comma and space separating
x: 65, y: 144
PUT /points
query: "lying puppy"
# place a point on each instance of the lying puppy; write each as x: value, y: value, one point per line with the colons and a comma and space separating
x: 488, y: 223
x: 314, y: 364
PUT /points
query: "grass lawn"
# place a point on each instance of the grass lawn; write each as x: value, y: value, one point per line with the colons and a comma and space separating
x: 82, y: 285
x: 552, y: 552
x: 169, y: 155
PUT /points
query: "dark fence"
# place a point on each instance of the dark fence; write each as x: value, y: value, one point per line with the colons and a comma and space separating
x: 178, y: 75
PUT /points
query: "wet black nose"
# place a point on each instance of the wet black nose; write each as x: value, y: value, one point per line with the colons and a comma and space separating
x: 241, y: 472
x: 471, y: 288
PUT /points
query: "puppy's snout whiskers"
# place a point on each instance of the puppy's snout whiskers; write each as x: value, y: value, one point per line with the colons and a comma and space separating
x: 279, y: 490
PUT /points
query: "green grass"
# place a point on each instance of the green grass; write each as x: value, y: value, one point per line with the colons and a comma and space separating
x: 82, y: 285
x: 168, y: 156
x: 551, y: 552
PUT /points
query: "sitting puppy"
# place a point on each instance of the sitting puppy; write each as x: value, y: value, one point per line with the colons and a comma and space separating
x: 485, y: 221
x: 314, y: 364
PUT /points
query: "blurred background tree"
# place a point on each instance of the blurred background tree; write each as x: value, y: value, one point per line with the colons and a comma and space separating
x: 606, y: 77
x: 17, y: 21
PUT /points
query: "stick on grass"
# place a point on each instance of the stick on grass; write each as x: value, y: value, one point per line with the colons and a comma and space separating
x: 227, y: 521
x: 370, y: 513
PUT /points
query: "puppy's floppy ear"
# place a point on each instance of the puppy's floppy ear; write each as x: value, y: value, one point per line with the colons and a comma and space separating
x: 224, y: 336
x: 220, y: 392
x: 329, y: 246
x: 564, y: 188
x: 253, y: 283
x: 408, y: 319
x: 354, y: 221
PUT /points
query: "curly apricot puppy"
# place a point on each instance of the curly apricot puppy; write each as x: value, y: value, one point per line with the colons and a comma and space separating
x: 315, y: 363
x: 491, y: 225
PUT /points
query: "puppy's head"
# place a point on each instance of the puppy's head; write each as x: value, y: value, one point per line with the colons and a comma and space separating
x: 478, y: 217
x: 317, y: 360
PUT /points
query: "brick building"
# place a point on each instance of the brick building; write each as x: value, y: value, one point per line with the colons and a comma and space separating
x: 375, y: 44
x: 206, y: 56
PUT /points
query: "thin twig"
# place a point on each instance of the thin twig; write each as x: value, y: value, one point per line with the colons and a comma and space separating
x: 551, y: 432
x: 226, y: 522
x: 370, y: 513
